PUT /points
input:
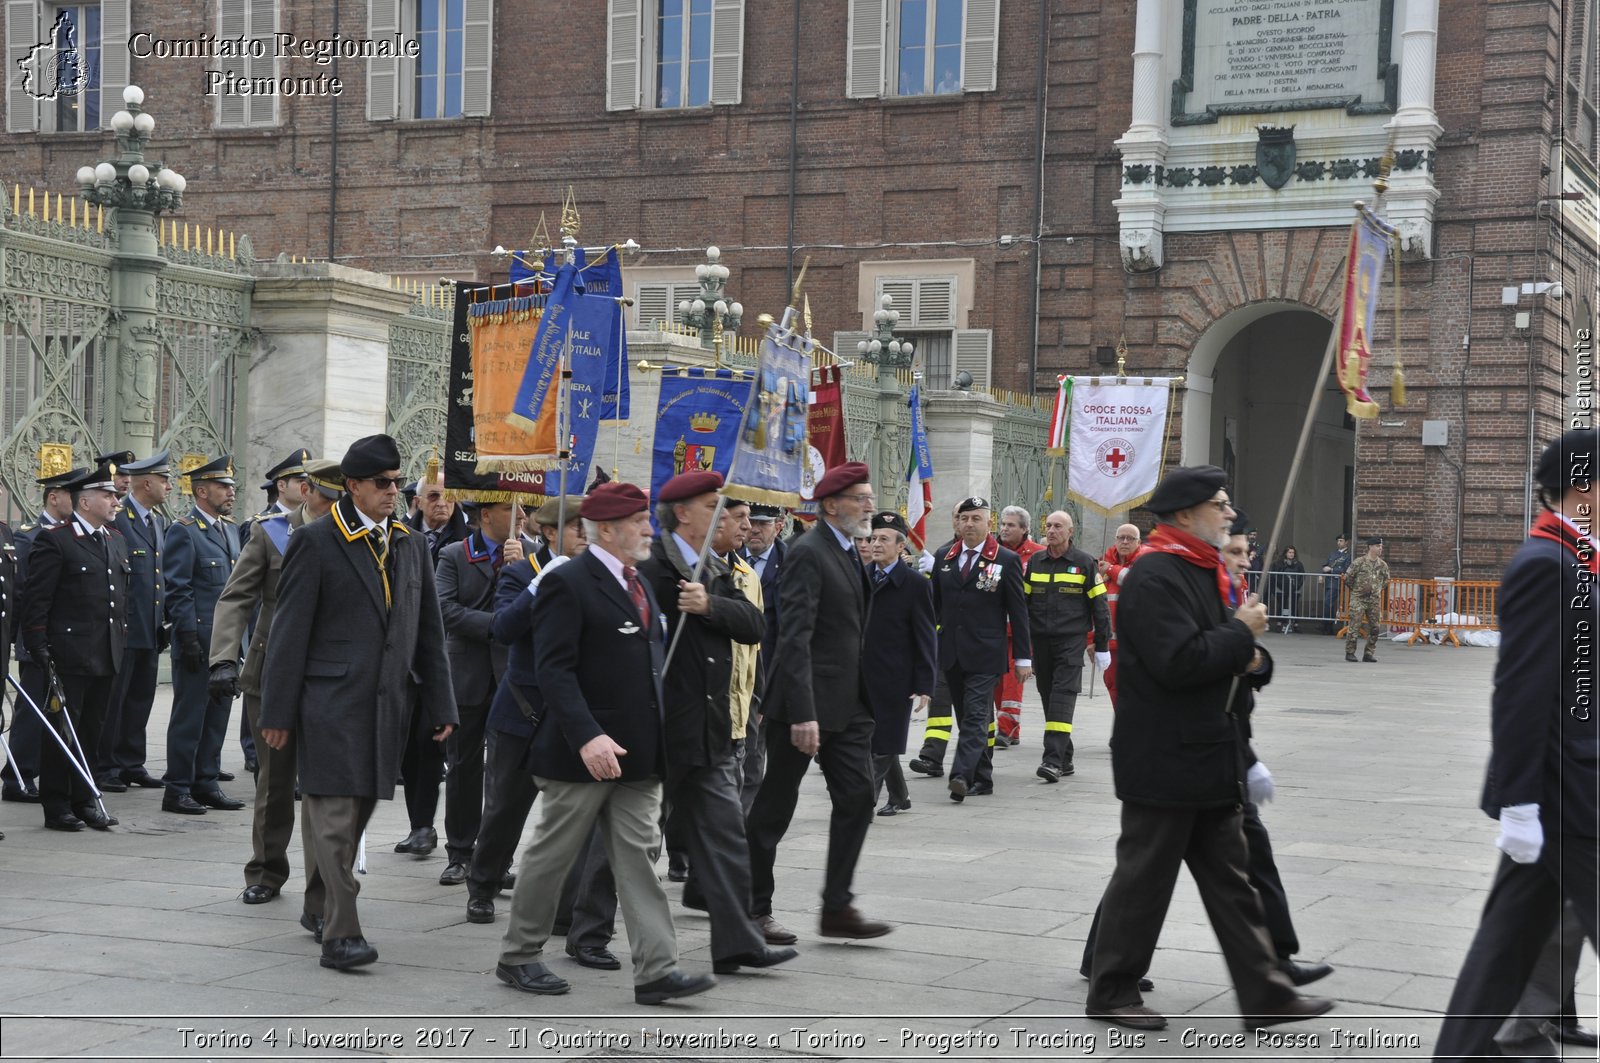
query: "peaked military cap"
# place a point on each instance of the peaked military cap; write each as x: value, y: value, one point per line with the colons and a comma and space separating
x: 293, y: 465
x: 62, y: 479
x: 99, y: 478
x: 116, y: 460
x: 155, y: 465
x: 762, y: 512
x: 216, y: 471
x: 325, y: 477
x: 549, y: 514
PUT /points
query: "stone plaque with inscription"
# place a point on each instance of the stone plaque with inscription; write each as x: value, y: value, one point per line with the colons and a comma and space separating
x: 1261, y: 56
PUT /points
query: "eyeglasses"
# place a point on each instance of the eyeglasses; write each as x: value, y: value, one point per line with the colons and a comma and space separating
x: 865, y: 500
x: 383, y: 483
x: 1220, y: 503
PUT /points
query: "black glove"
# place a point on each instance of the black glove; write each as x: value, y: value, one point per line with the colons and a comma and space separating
x: 163, y: 638
x: 224, y: 680
x: 190, y: 652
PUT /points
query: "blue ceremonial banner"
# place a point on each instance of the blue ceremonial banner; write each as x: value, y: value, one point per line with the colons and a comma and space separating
x: 603, y: 280
x: 772, y: 441
x: 697, y: 422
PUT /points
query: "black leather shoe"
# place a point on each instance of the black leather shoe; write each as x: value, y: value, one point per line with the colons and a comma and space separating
x: 142, y: 779
x: 1133, y: 1016
x: 419, y: 842
x: 312, y: 923
x: 252, y: 766
x: 480, y: 911
x: 1068, y: 769
x: 28, y: 795
x: 454, y: 874
x: 1048, y: 772
x: 980, y: 789
x: 671, y: 986
x: 258, y: 894
x: 509, y: 883
x: 594, y: 956
x: 1569, y: 1031
x: 531, y: 978
x: 1299, y: 1009
x: 224, y: 776
x: 344, y: 953
x: 95, y: 818
x: 111, y: 784
x: 218, y: 800
x: 924, y: 766
x: 763, y: 957
x: 1304, y: 973
x: 677, y: 872
x: 958, y: 789
x: 182, y: 804
x: 889, y: 809
x: 693, y: 898
x: 65, y: 821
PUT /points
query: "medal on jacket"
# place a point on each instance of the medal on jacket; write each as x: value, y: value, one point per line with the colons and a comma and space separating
x: 989, y: 574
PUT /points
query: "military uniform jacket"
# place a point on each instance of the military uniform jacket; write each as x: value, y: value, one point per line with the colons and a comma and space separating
x: 201, y: 552
x: 1174, y: 739
x: 815, y: 673
x: 599, y: 672
x: 466, y: 578
x: 973, y: 611
x: 1546, y: 746
x: 345, y: 670
x: 254, y: 581
x: 1368, y: 577
x: 146, y: 586
x: 1066, y: 599
x: 699, y: 721
x: 75, y: 604
x: 22, y: 540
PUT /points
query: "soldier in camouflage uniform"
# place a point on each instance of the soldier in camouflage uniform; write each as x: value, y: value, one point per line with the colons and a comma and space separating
x: 1367, y: 576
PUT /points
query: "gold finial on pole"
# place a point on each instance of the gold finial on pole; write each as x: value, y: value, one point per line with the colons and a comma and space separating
x: 794, y: 297
x: 571, y: 220
x: 1380, y: 184
x: 1122, y: 355
x: 806, y: 314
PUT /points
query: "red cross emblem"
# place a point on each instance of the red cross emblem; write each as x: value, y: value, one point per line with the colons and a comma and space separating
x: 1112, y: 455
x: 1116, y: 458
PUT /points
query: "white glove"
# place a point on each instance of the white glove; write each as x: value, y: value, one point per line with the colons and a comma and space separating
x: 1102, y: 659
x: 1258, y: 784
x: 1521, y: 833
x: 919, y: 706
x: 925, y: 563
x: 549, y: 567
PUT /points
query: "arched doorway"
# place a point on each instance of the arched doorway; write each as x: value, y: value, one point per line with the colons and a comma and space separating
x: 1247, y: 384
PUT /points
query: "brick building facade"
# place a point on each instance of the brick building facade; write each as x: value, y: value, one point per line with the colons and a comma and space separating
x: 989, y: 204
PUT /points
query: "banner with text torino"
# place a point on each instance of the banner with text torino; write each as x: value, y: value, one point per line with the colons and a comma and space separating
x: 1117, y: 439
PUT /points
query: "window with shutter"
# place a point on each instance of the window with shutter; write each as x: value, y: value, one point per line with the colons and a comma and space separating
x: 477, y: 51
x: 693, y: 52
x: 727, y: 50
x: 65, y: 90
x: 650, y: 302
x: 844, y: 345
x: 974, y: 351
x: 868, y: 26
x: 383, y: 75
x: 115, y: 64
x: 22, y: 33
x: 923, y: 302
x: 255, y: 20
x: 622, y: 55
x: 980, y: 46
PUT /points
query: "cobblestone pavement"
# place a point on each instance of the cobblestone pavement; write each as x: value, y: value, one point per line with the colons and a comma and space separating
x: 122, y: 941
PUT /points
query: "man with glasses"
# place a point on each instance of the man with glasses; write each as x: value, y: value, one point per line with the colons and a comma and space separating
x: 977, y: 589
x: 1178, y: 765
x: 1112, y: 566
x: 357, y: 646
x: 817, y: 706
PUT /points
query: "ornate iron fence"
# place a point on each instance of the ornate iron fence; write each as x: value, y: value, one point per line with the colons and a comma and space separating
x: 1024, y: 475
x: 419, y: 370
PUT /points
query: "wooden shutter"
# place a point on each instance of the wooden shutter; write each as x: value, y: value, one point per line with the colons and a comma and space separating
x: 383, y: 75
x: 263, y: 23
x: 478, y: 51
x: 727, y: 50
x: 22, y: 33
x: 114, y: 59
x: 974, y: 353
x: 652, y: 303
x: 980, y: 46
x: 869, y: 26
x: 622, y: 56
x: 232, y: 18
x: 935, y: 305
x: 844, y: 345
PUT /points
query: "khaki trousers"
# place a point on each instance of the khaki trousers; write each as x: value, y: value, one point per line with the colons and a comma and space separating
x: 332, y: 831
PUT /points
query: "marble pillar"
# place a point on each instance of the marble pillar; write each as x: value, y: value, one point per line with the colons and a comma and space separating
x: 961, y: 441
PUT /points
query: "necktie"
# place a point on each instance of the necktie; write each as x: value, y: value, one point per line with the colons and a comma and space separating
x: 966, y: 562
x: 99, y: 538
x: 150, y: 523
x: 879, y: 577
x: 636, y: 592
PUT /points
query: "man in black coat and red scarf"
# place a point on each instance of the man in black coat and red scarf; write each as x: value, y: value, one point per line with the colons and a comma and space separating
x: 1179, y: 765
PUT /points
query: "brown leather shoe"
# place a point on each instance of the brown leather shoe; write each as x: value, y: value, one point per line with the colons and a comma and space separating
x: 1133, y: 1016
x: 1299, y: 1008
x: 847, y: 922
x: 775, y: 932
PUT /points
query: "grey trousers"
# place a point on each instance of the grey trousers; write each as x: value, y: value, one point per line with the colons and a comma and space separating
x: 1552, y: 978
x: 273, y: 825
x: 629, y: 815
x: 332, y: 830
x: 705, y: 804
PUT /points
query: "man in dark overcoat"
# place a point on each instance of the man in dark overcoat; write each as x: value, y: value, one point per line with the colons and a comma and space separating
x: 898, y: 654
x: 763, y: 552
x: 977, y: 589
x: 702, y: 768
x: 816, y: 706
x: 1542, y: 782
x: 201, y: 549
x: 600, y: 755
x: 357, y: 647
x: 75, y: 625
x: 466, y: 576
x: 1178, y: 763
x: 252, y: 591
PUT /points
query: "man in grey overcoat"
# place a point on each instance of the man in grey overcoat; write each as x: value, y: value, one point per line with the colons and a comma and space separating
x: 357, y: 646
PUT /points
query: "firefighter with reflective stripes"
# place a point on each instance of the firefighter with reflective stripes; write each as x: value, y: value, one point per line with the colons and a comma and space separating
x: 1065, y: 598
x: 1113, y: 563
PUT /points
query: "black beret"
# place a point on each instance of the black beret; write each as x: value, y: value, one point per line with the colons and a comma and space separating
x: 1185, y: 487
x: 892, y: 520
x: 1568, y: 461
x: 1241, y: 524
x: 972, y: 504
x: 370, y: 456
x: 1374, y: 540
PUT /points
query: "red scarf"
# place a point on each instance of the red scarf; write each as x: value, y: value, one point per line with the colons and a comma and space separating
x: 1170, y: 539
x: 1551, y: 526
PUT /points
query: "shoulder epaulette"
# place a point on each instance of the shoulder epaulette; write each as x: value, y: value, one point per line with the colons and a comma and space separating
x: 275, y: 515
x: 26, y: 527
x: 186, y: 519
x: 400, y: 526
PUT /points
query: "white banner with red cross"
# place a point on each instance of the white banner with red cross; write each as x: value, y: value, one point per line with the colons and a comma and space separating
x: 1117, y: 440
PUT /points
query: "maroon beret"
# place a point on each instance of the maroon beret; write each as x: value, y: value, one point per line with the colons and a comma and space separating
x: 839, y: 477
x: 688, y: 485
x: 613, y: 501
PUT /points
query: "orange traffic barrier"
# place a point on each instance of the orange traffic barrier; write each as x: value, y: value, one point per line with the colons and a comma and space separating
x: 1424, y: 605
x: 1465, y: 605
